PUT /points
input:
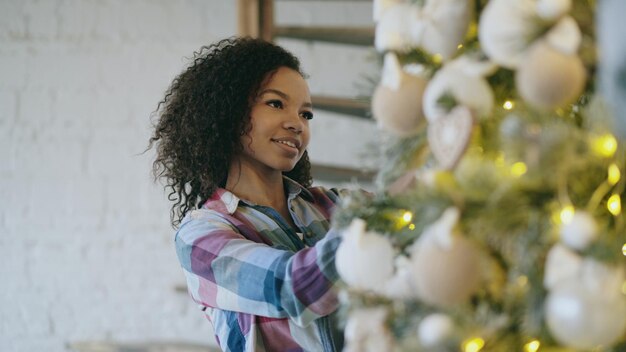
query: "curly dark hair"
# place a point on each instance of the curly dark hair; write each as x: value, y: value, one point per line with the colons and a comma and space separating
x: 205, y: 112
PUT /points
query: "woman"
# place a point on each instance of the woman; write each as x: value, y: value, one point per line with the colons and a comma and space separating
x: 253, y: 240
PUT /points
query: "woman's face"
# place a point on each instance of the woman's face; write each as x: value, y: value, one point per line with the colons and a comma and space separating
x: 279, y: 119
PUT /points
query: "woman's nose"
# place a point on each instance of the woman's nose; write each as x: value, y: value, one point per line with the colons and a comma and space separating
x: 294, y: 123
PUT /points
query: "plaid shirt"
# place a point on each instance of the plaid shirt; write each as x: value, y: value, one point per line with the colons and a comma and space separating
x: 262, y: 287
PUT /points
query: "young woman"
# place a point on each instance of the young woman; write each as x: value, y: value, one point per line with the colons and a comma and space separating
x: 254, y: 242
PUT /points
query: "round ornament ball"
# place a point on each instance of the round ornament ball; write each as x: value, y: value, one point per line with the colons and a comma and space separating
x: 434, y: 329
x: 448, y: 275
x: 581, y: 318
x: 364, y: 260
x: 399, y: 111
x: 580, y: 231
x: 547, y: 78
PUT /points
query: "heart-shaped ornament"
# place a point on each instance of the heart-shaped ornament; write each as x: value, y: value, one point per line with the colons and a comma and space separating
x: 449, y: 136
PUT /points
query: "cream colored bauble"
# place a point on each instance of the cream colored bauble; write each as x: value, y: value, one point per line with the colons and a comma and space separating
x: 364, y: 260
x: 399, y: 111
x: 580, y: 231
x: 584, y: 319
x: 548, y: 78
x: 446, y: 265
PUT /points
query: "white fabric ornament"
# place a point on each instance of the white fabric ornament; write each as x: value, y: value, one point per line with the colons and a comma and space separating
x: 580, y: 231
x: 553, y: 9
x: 393, y: 31
x: 366, y: 331
x: 449, y: 136
x: 380, y: 6
x: 590, y: 310
x: 565, y: 36
x: 504, y: 29
x: 464, y: 81
x: 434, y: 329
x: 446, y: 266
x: 397, y: 101
x: 354, y: 257
x: 562, y: 264
x: 548, y: 78
x: 400, y: 285
x: 442, y: 25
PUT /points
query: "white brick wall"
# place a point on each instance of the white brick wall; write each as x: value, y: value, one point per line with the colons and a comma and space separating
x: 85, y: 241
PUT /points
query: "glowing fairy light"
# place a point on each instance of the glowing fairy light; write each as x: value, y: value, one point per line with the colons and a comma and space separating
x: 518, y: 169
x: 614, y: 174
x: 567, y: 214
x: 473, y: 345
x: 624, y: 251
x: 459, y: 46
x: 532, y: 346
x: 437, y: 58
x: 407, y: 216
x: 605, y: 145
x: 412, y: 227
x: 614, y: 205
x: 508, y: 105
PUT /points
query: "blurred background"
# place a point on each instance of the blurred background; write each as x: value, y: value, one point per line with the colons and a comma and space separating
x: 87, y: 252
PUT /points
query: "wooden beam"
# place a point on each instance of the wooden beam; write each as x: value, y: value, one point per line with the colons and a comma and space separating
x: 349, y: 106
x: 256, y: 18
x: 363, y: 36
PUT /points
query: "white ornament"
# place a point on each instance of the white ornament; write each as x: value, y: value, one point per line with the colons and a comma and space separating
x: 562, y: 264
x: 442, y: 26
x: 584, y: 319
x: 548, y: 78
x: 354, y: 257
x: 446, y: 266
x: 449, y: 136
x: 434, y: 329
x: 580, y: 231
x: 380, y: 6
x: 393, y: 31
x: 464, y: 84
x: 366, y: 331
x: 400, y: 285
x: 553, y: 9
x: 504, y: 29
x: 397, y: 101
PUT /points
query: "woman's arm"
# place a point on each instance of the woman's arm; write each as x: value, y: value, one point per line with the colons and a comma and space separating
x: 227, y: 271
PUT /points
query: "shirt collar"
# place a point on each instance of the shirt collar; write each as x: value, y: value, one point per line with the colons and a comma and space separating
x: 224, y: 201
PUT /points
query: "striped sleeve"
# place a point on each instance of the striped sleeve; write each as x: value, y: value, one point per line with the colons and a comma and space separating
x: 227, y: 271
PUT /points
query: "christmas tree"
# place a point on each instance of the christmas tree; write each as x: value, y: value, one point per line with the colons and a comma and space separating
x: 496, y: 224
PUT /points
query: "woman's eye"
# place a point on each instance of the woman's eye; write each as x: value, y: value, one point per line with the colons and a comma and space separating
x: 275, y: 104
x: 307, y: 115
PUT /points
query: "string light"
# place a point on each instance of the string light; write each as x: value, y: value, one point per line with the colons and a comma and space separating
x: 605, y: 145
x: 403, y: 219
x: 532, y: 346
x: 459, y: 46
x: 412, y: 227
x: 407, y: 216
x: 614, y: 174
x: 518, y: 169
x: 614, y: 205
x: 567, y: 214
x: 437, y: 58
x: 508, y: 105
x: 624, y: 249
x: 474, y: 345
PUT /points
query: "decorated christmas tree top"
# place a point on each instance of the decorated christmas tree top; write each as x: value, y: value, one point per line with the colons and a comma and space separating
x: 497, y: 223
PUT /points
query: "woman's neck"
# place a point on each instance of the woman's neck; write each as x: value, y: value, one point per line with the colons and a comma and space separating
x: 263, y: 187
